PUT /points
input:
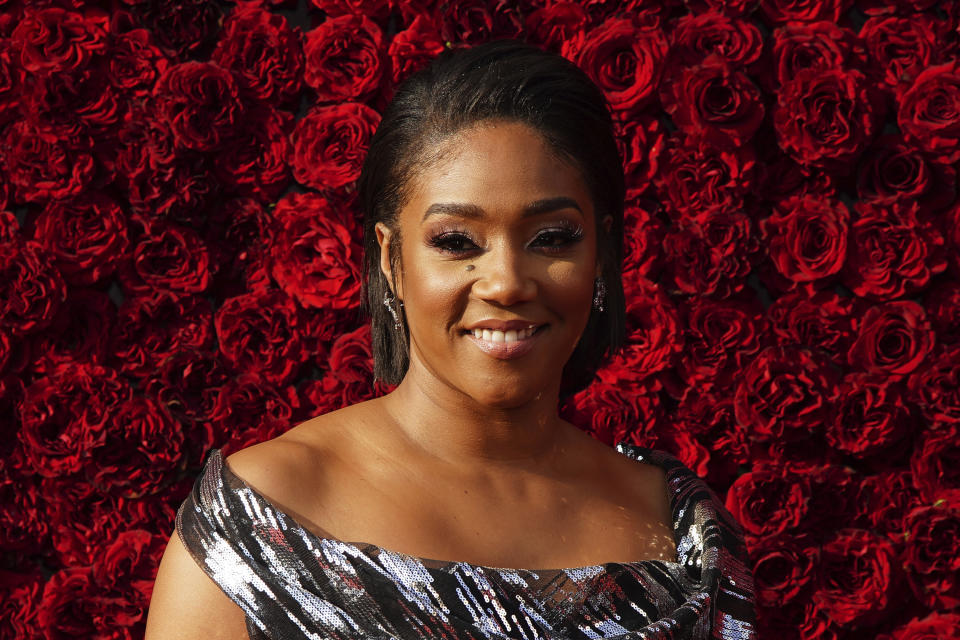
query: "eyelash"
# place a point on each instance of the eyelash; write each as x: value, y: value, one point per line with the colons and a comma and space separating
x: 568, y: 232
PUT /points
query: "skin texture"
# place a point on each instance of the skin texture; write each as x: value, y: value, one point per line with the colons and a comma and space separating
x: 467, y: 459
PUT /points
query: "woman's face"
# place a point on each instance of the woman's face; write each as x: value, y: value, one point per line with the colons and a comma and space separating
x: 498, y: 239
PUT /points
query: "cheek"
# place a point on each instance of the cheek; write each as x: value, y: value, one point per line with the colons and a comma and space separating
x: 571, y: 279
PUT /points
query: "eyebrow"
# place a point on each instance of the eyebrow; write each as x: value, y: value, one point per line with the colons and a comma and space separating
x: 536, y: 207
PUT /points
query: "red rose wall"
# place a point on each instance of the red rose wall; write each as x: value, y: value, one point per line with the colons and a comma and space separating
x: 180, y: 257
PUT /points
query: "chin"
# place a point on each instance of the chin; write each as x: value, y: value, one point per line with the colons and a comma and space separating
x: 504, y: 395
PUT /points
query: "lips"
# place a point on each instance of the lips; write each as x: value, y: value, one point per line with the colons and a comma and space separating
x: 500, y: 348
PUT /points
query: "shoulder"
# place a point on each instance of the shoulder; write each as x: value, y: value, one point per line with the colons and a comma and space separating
x: 300, y: 470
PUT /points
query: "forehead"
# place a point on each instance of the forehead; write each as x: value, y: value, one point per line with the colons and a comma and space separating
x: 498, y: 166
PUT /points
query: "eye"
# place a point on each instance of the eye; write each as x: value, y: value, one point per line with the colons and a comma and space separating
x: 452, y: 242
x: 559, y: 239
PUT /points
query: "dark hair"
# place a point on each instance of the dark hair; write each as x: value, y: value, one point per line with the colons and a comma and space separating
x: 500, y: 80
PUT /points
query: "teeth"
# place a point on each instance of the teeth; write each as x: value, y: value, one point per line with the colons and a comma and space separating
x: 503, y: 336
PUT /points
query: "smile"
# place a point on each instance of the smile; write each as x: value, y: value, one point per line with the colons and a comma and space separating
x: 505, y: 345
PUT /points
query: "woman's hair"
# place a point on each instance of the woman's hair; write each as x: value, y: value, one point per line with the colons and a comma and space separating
x: 501, y: 80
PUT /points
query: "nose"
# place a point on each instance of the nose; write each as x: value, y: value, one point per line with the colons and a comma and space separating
x: 503, y: 276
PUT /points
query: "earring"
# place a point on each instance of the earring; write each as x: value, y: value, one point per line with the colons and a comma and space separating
x: 599, y: 292
x: 388, y: 299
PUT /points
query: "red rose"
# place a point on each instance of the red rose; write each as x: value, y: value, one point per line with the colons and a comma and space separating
x: 80, y: 332
x: 260, y: 332
x: 344, y: 58
x: 20, y: 595
x: 88, y: 520
x: 715, y: 101
x: 134, y: 64
x: 696, y: 36
x: 825, y: 321
x: 857, y: 578
x: 329, y: 144
x: 930, y: 557
x: 125, y: 572
x: 168, y: 259
x: 24, y: 522
x: 710, y: 255
x: 414, y: 47
x: 554, y: 24
x: 140, y: 452
x: 872, y: 418
x: 893, y: 252
x: 784, y: 393
x: 238, y: 237
x: 780, y: 177
x: 641, y: 140
x: 372, y: 8
x: 936, y: 626
x: 936, y: 464
x: 608, y: 414
x: 624, y: 59
x: 349, y: 373
x: 181, y: 27
x: 254, y: 163
x: 315, y: 258
x: 893, y: 339
x: 199, y: 102
x: 885, y: 498
x: 85, y: 237
x: 249, y: 409
x: 929, y: 111
x: 31, y: 288
x: 826, y: 117
x: 767, y: 501
x: 732, y: 8
x: 73, y: 103
x: 150, y: 328
x: 934, y: 389
x: 470, y: 22
x: 894, y: 170
x: 65, y: 415
x: 69, y: 607
x: 816, y: 45
x: 147, y: 146
x: 42, y: 166
x: 11, y: 82
x: 783, y: 569
x: 187, y: 384
x: 643, y: 237
x: 900, y: 48
x: 806, y: 239
x: 653, y: 333
x: 696, y: 178
x: 52, y: 40
x: 709, y: 416
x: 179, y: 193
x: 719, y: 338
x: 263, y: 52
x: 804, y: 10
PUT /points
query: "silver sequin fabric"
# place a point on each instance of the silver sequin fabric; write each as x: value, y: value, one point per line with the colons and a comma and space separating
x: 294, y: 584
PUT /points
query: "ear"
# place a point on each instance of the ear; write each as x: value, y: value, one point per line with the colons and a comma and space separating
x: 384, y: 238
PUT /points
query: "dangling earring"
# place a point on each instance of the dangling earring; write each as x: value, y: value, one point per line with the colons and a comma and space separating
x: 599, y: 292
x: 388, y: 299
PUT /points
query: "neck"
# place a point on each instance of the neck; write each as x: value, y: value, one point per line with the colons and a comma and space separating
x: 453, y: 427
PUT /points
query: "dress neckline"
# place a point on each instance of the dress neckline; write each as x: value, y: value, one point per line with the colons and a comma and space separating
x: 232, y: 481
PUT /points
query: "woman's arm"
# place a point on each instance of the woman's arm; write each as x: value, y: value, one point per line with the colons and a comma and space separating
x: 187, y: 605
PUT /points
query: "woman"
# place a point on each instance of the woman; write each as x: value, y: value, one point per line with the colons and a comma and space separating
x: 493, y: 207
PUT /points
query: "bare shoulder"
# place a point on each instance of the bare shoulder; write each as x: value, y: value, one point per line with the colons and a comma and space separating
x: 186, y: 604
x: 298, y: 471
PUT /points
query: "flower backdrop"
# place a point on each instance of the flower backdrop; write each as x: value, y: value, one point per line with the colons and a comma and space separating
x: 180, y: 261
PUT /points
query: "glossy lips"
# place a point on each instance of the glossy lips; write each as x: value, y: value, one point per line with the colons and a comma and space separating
x: 505, y: 350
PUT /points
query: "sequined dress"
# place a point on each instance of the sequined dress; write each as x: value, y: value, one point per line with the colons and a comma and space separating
x: 293, y: 584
